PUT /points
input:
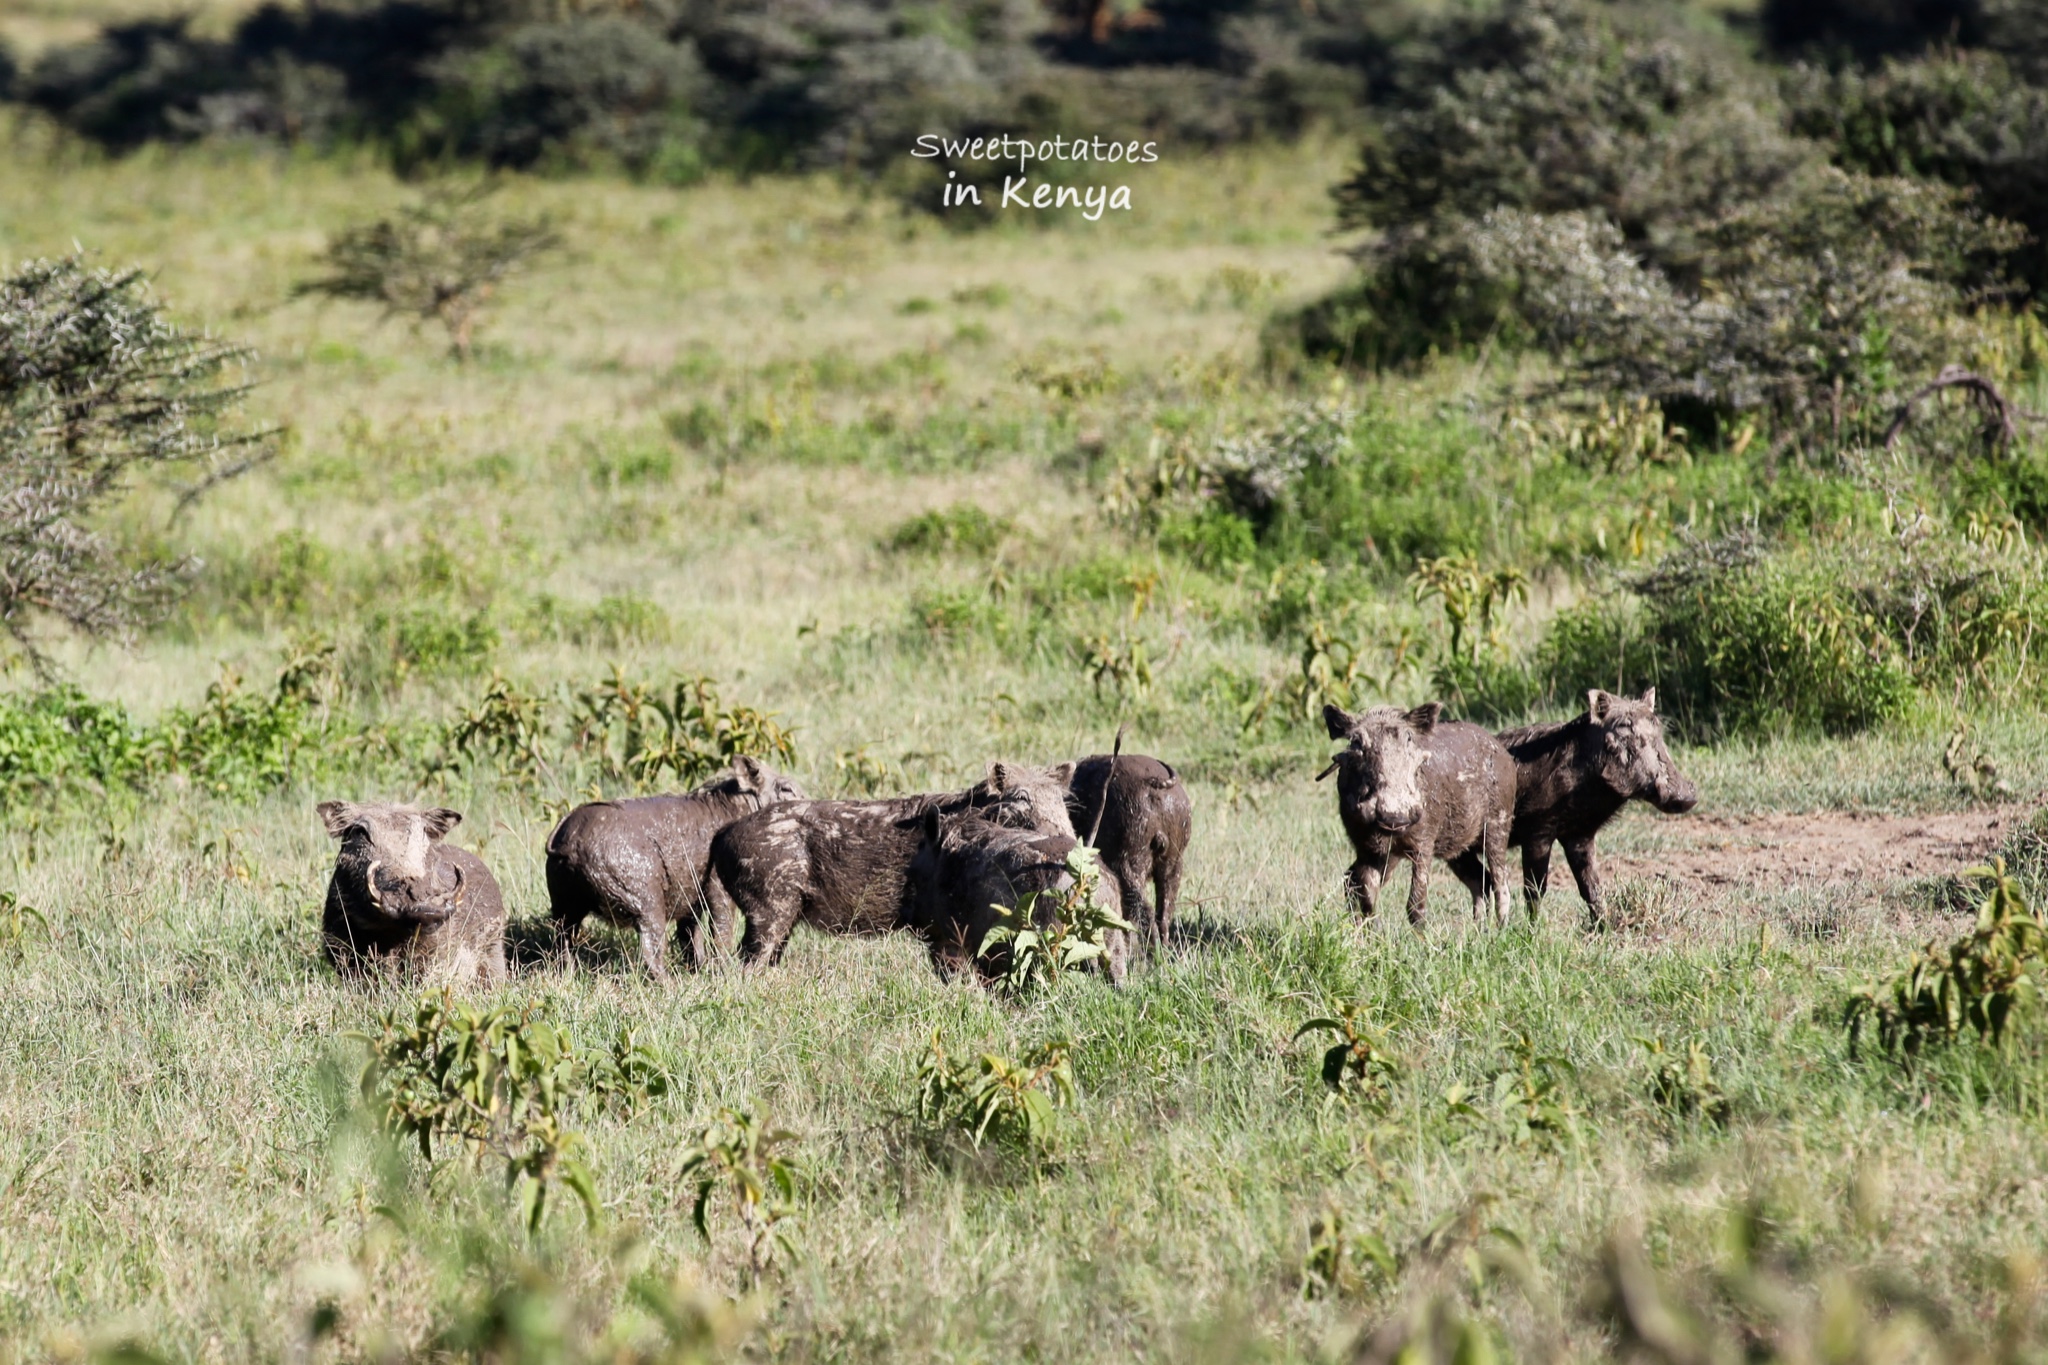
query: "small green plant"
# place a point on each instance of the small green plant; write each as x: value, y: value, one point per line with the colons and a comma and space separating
x: 1686, y: 1086
x: 1122, y: 660
x: 17, y: 917
x: 863, y: 773
x: 1357, y: 1065
x: 501, y: 1082
x: 507, y: 725
x: 1050, y: 933
x: 1970, y: 766
x: 746, y: 1159
x: 1342, y: 1263
x: 1470, y: 599
x: 1455, y: 1263
x: 1977, y: 981
x: 1527, y: 1102
x: 991, y: 1099
x: 438, y: 259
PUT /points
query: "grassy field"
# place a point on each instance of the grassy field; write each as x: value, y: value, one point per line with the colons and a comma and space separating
x: 687, y: 446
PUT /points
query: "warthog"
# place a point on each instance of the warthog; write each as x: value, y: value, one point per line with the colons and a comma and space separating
x: 970, y: 874
x: 1147, y: 821
x: 401, y: 899
x: 844, y: 866
x: 1414, y: 785
x: 1574, y: 775
x: 644, y: 863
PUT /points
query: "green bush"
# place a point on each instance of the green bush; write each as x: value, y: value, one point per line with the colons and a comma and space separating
x: 963, y: 528
x: 1738, y: 636
x: 58, y: 740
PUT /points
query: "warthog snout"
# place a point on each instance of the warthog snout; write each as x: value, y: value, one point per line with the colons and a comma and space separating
x: 413, y: 898
x: 1677, y: 796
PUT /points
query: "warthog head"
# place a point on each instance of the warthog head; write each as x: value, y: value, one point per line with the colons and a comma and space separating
x: 1025, y: 797
x: 1379, y: 774
x: 387, y: 865
x: 1632, y: 759
x: 752, y: 777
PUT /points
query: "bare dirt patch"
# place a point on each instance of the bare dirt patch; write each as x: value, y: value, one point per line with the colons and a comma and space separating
x: 1823, y: 848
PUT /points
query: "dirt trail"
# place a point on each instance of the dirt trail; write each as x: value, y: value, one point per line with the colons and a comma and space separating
x: 1799, y: 850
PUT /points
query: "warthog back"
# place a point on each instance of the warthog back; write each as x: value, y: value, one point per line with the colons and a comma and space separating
x: 843, y: 867
x: 1147, y: 823
x: 644, y: 863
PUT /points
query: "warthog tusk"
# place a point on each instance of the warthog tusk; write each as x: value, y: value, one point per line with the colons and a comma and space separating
x: 1327, y: 771
x: 454, y: 897
x: 370, y: 880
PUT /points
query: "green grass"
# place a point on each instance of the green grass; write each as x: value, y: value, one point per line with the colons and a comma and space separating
x: 714, y: 408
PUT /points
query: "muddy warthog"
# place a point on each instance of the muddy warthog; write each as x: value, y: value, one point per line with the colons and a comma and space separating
x: 1414, y: 785
x: 1147, y: 821
x: 844, y: 866
x: 401, y: 899
x: 970, y: 874
x: 644, y: 863
x: 1574, y: 775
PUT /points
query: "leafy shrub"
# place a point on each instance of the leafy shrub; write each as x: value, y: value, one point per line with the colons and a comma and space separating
x: 97, y: 387
x: 744, y: 1156
x: 1740, y: 636
x: 438, y: 259
x: 234, y: 743
x: 616, y: 727
x: 992, y: 1099
x: 1050, y: 933
x: 1977, y: 981
x: 502, y: 1082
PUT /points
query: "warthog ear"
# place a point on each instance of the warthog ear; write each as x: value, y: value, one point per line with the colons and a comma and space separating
x: 440, y: 820
x: 1650, y: 697
x: 337, y: 816
x: 931, y: 821
x: 1061, y: 774
x: 998, y: 777
x: 1339, y: 723
x: 1425, y: 716
x: 752, y: 776
x: 1596, y: 703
